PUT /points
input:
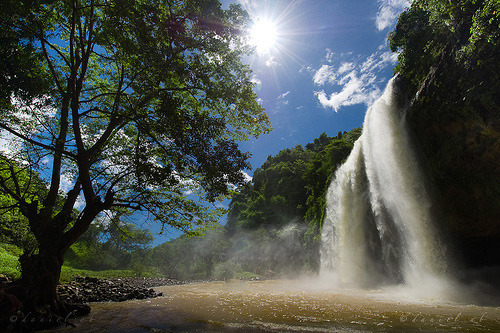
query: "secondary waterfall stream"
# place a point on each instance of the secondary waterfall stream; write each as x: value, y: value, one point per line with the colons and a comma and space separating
x: 379, y: 225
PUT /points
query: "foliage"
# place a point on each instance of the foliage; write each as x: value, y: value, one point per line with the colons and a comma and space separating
x: 278, y: 191
x: 330, y: 155
x: 122, y: 105
x: 291, y: 186
x: 69, y: 273
x: 192, y: 257
x: 286, y: 186
x: 111, y: 246
x: 9, y: 265
x: 147, y: 99
x: 464, y: 32
x: 221, y: 255
x: 14, y: 228
x: 279, y: 247
x: 23, y: 73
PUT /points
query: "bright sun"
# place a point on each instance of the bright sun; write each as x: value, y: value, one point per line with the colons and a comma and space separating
x: 263, y: 35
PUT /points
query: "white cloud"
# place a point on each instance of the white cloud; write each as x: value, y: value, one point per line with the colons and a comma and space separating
x: 326, y: 74
x: 249, y: 4
x: 80, y: 202
x: 353, y: 82
x: 345, y: 67
x: 284, y: 95
x: 352, y: 92
x: 255, y: 80
x: 247, y: 177
x: 329, y: 55
x: 379, y: 60
x: 307, y: 69
x: 282, y: 98
x: 30, y: 119
x: 257, y: 83
x: 389, y: 11
x: 7, y: 143
x: 271, y: 62
x: 67, y: 182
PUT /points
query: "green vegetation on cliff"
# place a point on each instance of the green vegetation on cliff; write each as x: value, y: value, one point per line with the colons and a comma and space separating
x: 450, y: 58
x: 291, y: 186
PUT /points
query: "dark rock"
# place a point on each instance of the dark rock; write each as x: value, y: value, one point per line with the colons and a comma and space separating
x: 455, y: 123
x: 85, y: 289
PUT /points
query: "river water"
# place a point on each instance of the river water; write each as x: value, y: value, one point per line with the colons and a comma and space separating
x: 285, y: 306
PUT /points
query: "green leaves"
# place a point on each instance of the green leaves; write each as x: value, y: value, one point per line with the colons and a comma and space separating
x: 428, y: 29
x: 291, y: 186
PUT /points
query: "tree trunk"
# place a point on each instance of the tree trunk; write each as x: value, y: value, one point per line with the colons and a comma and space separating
x: 40, y: 277
x: 40, y: 272
x: 37, y: 290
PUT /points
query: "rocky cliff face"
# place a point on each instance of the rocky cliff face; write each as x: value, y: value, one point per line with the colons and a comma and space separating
x: 455, y: 118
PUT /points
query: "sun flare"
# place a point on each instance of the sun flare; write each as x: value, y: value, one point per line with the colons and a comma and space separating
x: 263, y: 35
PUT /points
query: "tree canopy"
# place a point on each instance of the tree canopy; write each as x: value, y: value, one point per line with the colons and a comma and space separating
x: 464, y: 32
x: 124, y: 105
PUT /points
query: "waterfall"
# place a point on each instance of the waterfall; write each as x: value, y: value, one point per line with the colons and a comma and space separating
x: 379, y: 228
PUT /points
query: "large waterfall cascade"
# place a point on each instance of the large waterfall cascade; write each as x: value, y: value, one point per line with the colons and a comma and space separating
x: 379, y: 228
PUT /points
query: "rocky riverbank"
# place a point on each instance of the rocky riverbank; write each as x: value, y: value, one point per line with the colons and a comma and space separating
x: 88, y: 289
x: 73, y: 296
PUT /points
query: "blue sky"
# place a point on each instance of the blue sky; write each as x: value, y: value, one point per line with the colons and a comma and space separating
x: 330, y: 61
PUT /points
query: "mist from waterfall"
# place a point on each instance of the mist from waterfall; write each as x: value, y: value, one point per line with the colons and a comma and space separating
x: 379, y: 226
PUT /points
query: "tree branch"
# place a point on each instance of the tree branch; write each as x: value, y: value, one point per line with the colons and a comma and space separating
x: 51, y: 66
x: 128, y: 205
x: 7, y: 190
x: 36, y: 143
x: 83, y: 155
x: 14, y: 179
x: 69, y: 204
x: 53, y: 47
x: 100, y: 95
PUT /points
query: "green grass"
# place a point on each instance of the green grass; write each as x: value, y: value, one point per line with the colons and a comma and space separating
x: 9, y: 266
x: 68, y: 273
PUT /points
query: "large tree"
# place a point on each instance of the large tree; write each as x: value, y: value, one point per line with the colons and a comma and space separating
x: 122, y: 105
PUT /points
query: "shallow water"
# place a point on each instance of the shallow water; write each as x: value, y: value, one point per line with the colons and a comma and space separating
x: 284, y: 306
